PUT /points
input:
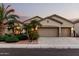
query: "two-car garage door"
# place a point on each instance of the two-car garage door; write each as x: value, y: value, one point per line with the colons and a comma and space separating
x: 51, y: 32
x: 54, y: 32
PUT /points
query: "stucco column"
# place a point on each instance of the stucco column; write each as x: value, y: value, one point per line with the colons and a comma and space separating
x: 59, y: 31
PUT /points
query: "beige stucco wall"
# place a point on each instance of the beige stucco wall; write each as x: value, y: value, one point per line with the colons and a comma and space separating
x: 50, y: 23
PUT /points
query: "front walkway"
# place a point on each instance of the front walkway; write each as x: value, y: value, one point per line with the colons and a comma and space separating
x: 46, y: 42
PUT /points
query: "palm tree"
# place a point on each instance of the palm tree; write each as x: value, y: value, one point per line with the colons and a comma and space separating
x: 27, y: 28
x: 32, y: 26
x: 11, y: 25
x: 34, y: 30
x: 31, y: 29
x: 6, y: 14
x: 14, y: 26
x: 35, y: 24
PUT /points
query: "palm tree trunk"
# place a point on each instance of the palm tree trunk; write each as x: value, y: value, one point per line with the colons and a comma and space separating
x: 28, y: 35
x: 13, y: 31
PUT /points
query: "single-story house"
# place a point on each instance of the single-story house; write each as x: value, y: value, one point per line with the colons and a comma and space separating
x: 54, y: 26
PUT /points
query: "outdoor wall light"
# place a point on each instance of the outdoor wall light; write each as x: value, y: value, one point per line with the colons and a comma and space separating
x: 72, y: 29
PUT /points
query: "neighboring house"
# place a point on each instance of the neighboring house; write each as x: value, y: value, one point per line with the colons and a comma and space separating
x: 54, y: 26
x: 76, y: 28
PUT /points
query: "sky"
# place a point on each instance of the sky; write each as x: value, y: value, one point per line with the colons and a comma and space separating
x: 66, y: 10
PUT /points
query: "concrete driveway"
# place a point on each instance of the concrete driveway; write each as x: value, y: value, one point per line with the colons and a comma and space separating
x: 60, y: 42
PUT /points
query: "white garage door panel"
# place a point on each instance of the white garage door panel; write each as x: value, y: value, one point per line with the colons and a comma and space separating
x: 48, y: 32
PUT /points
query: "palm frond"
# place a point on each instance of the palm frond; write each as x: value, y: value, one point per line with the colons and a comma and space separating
x: 1, y: 13
x: 13, y: 17
x: 9, y: 11
x: 5, y: 14
x: 7, y: 7
x: 10, y: 24
x: 35, y: 23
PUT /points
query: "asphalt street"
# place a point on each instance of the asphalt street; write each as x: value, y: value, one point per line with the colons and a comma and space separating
x: 38, y: 52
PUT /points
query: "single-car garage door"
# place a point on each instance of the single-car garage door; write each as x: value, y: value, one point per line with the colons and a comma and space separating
x: 48, y: 32
x: 66, y: 32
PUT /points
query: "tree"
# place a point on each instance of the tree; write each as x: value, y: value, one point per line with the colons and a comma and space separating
x: 6, y: 14
x: 31, y: 29
x: 35, y: 24
x: 14, y: 26
x: 11, y: 25
x: 27, y: 28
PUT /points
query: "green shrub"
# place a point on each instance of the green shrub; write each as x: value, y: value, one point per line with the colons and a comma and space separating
x: 18, y: 36
x: 22, y: 36
x: 1, y: 38
x: 34, y: 35
x: 10, y: 38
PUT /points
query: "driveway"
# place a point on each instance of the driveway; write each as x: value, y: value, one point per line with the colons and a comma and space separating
x: 60, y: 42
